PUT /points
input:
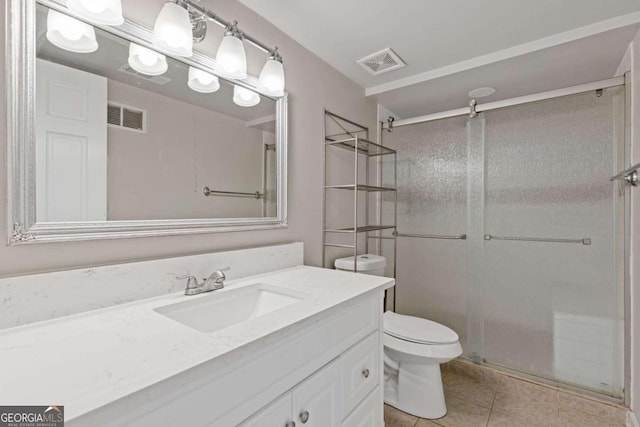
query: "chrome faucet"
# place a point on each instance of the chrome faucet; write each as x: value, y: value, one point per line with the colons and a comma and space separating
x: 214, y: 282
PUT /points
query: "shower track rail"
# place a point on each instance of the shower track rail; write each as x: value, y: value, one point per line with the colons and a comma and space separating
x: 585, y: 241
x: 479, y: 108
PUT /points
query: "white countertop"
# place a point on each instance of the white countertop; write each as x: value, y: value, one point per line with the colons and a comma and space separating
x: 89, y: 360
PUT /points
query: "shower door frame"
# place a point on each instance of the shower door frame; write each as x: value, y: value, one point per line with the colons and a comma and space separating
x: 625, y: 81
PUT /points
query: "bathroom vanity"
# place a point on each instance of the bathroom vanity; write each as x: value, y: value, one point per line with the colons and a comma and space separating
x: 297, y: 346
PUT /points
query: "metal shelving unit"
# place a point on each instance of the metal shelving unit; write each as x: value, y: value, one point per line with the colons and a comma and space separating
x: 354, y: 138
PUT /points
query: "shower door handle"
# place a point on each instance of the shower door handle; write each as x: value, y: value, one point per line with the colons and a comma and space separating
x: 431, y: 236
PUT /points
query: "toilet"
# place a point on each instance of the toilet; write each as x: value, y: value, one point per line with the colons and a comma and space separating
x: 414, y: 348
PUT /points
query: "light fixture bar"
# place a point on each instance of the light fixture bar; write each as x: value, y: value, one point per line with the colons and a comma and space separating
x: 223, y: 23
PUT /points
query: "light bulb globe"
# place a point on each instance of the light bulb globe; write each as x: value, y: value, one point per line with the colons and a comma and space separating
x: 70, y: 34
x: 101, y: 12
x: 147, y: 61
x: 272, y: 77
x: 231, y: 58
x: 245, y: 97
x: 201, y: 81
x: 173, y: 31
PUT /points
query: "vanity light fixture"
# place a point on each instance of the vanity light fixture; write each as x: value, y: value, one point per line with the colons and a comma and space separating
x: 103, y: 12
x: 181, y: 23
x: 202, y: 82
x: 272, y: 75
x: 245, y: 97
x: 70, y: 34
x: 173, y: 30
x: 231, y: 59
x: 147, y: 61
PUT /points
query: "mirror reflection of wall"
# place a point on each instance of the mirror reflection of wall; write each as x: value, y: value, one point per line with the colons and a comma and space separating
x: 125, y: 133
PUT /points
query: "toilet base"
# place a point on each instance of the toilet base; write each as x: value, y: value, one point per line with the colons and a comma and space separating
x: 416, y: 389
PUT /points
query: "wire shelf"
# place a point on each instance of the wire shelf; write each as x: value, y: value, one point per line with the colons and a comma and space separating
x: 365, y: 147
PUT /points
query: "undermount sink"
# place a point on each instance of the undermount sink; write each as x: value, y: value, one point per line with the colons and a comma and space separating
x: 217, y: 311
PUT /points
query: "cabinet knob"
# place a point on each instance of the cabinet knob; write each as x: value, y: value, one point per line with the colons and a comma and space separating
x: 291, y: 424
x: 365, y: 373
x: 304, y: 417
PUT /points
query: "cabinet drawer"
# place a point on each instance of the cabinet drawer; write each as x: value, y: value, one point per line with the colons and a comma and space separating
x: 360, y: 371
x: 368, y: 413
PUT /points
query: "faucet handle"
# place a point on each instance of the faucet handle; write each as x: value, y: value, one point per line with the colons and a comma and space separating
x: 221, y: 272
x: 192, y: 282
x: 221, y: 277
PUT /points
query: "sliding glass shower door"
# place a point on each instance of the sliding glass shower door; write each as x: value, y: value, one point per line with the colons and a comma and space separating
x: 536, y: 286
x: 555, y: 308
x: 432, y: 198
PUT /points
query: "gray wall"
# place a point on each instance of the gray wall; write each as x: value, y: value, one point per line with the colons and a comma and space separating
x: 312, y: 85
x: 160, y: 174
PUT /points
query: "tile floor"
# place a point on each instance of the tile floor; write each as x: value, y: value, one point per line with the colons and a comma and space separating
x: 478, y: 396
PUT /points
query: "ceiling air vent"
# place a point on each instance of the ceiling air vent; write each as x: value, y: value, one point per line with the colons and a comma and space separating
x: 382, y: 62
x: 125, y: 117
x: 159, y: 80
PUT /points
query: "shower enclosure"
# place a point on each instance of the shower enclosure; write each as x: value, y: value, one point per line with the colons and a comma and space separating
x: 510, y: 233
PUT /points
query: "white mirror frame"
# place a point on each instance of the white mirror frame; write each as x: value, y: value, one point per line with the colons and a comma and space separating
x: 20, y: 102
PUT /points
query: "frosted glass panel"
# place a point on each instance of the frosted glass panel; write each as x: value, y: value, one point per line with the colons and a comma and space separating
x: 432, y: 199
x: 553, y: 309
x: 538, y: 170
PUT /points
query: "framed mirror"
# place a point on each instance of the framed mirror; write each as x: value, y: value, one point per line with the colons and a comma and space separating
x: 109, y: 138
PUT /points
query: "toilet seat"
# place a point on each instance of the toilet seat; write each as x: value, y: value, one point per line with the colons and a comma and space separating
x: 418, y: 330
x: 436, y: 354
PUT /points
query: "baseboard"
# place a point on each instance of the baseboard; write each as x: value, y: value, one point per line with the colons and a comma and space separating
x: 632, y: 421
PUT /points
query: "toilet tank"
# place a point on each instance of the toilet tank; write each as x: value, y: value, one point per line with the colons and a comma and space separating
x: 367, y: 264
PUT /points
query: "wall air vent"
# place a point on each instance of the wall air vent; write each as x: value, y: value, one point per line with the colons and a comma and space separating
x: 127, y: 118
x: 382, y: 62
x: 159, y: 80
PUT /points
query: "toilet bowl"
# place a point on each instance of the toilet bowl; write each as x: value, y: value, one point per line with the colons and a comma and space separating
x: 414, y: 348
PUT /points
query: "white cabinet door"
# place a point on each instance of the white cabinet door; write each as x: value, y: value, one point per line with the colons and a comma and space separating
x: 71, y: 144
x: 276, y: 414
x: 317, y: 402
x: 367, y: 414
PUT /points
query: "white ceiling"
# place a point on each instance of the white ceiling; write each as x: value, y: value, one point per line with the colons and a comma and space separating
x: 451, y: 46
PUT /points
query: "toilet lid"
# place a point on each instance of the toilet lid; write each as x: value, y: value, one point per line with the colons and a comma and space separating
x: 418, y: 330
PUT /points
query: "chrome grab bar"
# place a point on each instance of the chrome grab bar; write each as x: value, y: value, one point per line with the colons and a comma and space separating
x: 431, y: 236
x: 629, y: 175
x: 585, y: 241
x: 208, y: 192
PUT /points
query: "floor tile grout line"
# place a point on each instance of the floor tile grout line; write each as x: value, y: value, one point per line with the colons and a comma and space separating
x: 495, y: 393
